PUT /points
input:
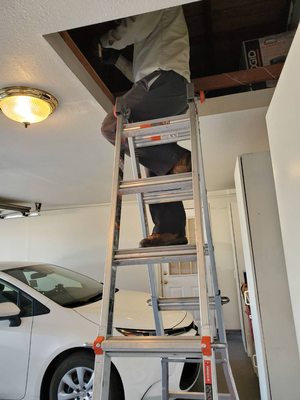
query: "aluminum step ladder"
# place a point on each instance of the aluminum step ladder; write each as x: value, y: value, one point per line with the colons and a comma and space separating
x: 207, y: 349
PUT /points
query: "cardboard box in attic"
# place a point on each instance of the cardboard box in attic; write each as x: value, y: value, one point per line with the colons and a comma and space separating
x: 267, y: 50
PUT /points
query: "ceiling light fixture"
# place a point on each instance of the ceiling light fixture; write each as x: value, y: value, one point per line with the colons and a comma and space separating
x: 17, y: 211
x: 26, y: 105
x: 14, y: 215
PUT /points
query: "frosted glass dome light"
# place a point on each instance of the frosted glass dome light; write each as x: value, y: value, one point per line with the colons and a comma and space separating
x: 26, y: 105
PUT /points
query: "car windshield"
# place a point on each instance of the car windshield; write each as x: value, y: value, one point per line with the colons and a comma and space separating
x: 67, y: 288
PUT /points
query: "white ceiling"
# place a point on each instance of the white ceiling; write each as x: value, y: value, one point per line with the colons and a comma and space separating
x: 64, y: 160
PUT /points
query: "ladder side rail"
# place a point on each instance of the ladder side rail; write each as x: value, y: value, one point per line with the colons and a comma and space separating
x: 218, y: 300
x: 213, y: 268
x: 137, y: 176
x: 165, y: 379
x: 103, y: 361
x: 102, y: 370
x: 203, y: 298
x: 209, y: 365
x: 145, y: 229
x: 228, y: 374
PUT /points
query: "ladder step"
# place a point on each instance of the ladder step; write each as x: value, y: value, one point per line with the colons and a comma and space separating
x: 162, y: 138
x: 158, y: 131
x: 155, y: 346
x: 185, y: 303
x: 168, y: 196
x: 196, y: 395
x: 153, y: 255
x: 158, y: 184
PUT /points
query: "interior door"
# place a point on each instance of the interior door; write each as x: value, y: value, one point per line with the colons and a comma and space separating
x: 221, y: 225
x: 14, y: 347
x: 180, y: 279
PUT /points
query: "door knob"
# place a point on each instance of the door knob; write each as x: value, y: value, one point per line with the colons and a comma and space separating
x: 165, y: 282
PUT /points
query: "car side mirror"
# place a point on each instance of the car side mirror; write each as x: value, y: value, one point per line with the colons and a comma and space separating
x: 9, y: 311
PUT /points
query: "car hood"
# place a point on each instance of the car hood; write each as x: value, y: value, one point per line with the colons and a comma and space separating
x: 133, y: 312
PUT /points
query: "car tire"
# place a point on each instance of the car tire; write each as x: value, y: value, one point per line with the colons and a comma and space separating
x: 73, y: 376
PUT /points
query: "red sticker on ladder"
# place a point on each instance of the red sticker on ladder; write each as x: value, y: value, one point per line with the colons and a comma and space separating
x: 153, y: 138
x: 97, y: 345
x: 143, y: 126
x: 207, y: 372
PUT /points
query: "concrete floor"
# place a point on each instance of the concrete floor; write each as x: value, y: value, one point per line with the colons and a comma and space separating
x: 245, y: 378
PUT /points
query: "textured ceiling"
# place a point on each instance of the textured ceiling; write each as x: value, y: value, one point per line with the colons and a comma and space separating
x: 63, y: 161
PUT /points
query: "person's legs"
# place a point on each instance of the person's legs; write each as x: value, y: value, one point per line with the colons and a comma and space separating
x: 169, y: 223
x: 168, y: 218
x: 166, y: 97
x: 160, y: 159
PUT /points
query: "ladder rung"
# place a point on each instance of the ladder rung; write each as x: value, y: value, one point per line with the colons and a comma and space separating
x: 168, y: 196
x: 155, y: 127
x: 186, y: 395
x: 155, y: 346
x: 162, y: 138
x: 185, y: 303
x: 196, y: 395
x: 153, y: 255
x: 157, y: 184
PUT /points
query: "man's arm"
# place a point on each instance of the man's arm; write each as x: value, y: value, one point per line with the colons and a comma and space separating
x: 125, y: 67
x: 131, y: 30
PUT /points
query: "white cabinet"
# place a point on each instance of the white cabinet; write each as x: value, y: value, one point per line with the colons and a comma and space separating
x: 180, y: 279
x: 273, y: 325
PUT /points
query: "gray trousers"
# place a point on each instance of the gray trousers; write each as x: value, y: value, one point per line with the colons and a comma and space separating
x: 165, y: 97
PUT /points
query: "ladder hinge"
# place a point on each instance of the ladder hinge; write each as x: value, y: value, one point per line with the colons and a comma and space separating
x: 190, y: 93
x: 121, y: 108
x: 97, y: 345
x: 206, y: 345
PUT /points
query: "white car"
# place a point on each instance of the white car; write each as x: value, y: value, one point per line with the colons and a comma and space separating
x: 49, y: 316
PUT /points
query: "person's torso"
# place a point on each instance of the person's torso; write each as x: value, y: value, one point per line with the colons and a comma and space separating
x: 166, y: 48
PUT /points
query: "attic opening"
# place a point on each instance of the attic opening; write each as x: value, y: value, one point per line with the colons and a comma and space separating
x: 217, y: 31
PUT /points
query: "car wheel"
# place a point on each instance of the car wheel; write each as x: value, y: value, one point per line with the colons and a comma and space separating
x: 73, y: 379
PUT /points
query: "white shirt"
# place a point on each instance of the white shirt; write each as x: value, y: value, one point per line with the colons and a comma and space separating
x: 160, y: 41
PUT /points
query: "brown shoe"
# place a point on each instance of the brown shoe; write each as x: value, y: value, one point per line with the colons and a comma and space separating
x: 183, y: 165
x: 163, y: 239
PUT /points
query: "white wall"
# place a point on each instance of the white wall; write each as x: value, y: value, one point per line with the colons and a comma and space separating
x: 221, y: 221
x: 73, y: 238
x: 283, y: 121
x: 76, y: 238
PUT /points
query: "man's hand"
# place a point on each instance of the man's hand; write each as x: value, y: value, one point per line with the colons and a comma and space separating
x: 110, y: 56
x: 104, y: 55
x: 95, y: 49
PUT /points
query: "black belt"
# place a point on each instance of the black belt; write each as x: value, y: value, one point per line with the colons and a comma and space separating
x: 152, y: 75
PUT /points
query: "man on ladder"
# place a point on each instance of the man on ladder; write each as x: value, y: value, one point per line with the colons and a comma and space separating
x: 160, y: 72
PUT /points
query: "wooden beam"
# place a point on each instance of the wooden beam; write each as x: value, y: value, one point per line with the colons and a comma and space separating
x: 74, y: 48
x: 207, y: 83
x: 238, y: 78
